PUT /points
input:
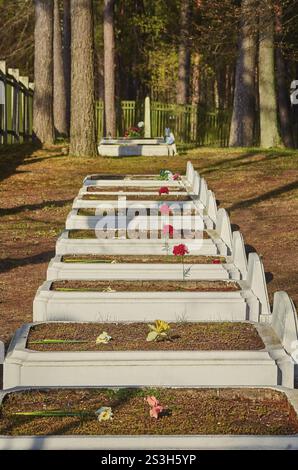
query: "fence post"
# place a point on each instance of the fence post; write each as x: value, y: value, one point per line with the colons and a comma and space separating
x: 3, y: 115
x: 24, y: 115
x: 15, y: 73
x: 147, y: 119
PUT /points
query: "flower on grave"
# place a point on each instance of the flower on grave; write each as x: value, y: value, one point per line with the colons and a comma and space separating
x: 164, y: 209
x: 168, y: 230
x: 133, y: 133
x: 159, y: 331
x: 104, y: 413
x: 176, y: 177
x: 103, y: 338
x: 216, y: 261
x: 156, y: 409
x: 165, y: 175
x: 163, y: 190
x: 182, y: 250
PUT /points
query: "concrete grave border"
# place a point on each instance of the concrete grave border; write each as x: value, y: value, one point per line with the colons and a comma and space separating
x: 146, y: 442
x: 235, y: 268
x: 60, y: 270
x: 26, y: 367
x: 247, y: 304
x: 285, y: 323
x: 142, y: 306
x: 65, y: 245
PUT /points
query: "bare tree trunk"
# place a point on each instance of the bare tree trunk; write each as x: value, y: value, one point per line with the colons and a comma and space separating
x: 109, y: 68
x: 283, y: 98
x: 43, y: 125
x: 67, y: 58
x: 243, y: 118
x: 82, y: 127
x: 184, y: 54
x: 59, y: 105
x: 284, y: 104
x: 196, y: 79
x: 268, y: 103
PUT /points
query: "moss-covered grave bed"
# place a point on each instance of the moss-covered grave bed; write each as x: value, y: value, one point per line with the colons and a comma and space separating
x: 216, y: 336
x: 135, y: 234
x: 140, y: 259
x: 145, y: 286
x: 88, y: 211
x: 132, y: 189
x: 186, y: 412
x: 122, y: 177
x: 137, y: 197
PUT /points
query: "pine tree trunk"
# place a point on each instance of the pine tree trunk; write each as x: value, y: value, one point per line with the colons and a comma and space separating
x: 67, y: 58
x: 59, y: 104
x: 82, y: 127
x: 268, y: 103
x: 184, y: 54
x: 109, y: 68
x: 243, y: 118
x: 43, y: 123
x: 196, y: 79
x: 283, y: 98
x: 284, y: 104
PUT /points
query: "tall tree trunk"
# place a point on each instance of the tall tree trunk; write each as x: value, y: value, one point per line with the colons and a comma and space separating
x: 243, y: 118
x: 196, y: 79
x: 67, y: 57
x: 284, y: 103
x: 82, y: 127
x: 283, y: 98
x: 59, y: 105
x: 184, y: 54
x: 109, y: 68
x: 268, y: 103
x: 43, y: 124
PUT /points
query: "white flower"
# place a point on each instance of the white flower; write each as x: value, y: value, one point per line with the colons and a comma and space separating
x: 140, y: 124
x: 103, y: 338
x: 104, y: 413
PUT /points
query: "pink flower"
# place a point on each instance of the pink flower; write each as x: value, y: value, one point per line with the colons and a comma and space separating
x: 156, y: 411
x: 152, y: 401
x: 180, y: 250
x: 163, y: 190
x: 216, y: 261
x: 155, y: 407
x: 168, y: 230
x: 176, y: 177
x: 164, y: 209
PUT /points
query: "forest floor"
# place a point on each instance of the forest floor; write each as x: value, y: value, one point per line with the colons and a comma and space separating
x: 258, y: 188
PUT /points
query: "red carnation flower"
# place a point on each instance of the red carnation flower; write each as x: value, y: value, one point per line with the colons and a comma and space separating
x: 163, y: 190
x: 180, y: 250
x: 168, y: 230
x: 216, y: 261
x: 176, y: 177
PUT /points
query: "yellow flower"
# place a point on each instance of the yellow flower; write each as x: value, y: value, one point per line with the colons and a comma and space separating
x: 104, y: 413
x: 158, y: 331
x: 103, y: 338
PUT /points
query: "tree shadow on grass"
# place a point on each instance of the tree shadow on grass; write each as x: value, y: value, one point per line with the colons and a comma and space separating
x: 32, y: 207
x: 264, y: 197
x: 15, y: 155
x: 233, y: 163
x: 12, y: 156
x: 7, y: 264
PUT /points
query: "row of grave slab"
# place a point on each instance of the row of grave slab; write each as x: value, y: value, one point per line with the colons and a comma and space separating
x: 274, y: 366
